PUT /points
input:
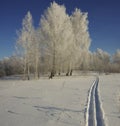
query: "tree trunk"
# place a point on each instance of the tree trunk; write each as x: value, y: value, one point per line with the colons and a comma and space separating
x: 28, y: 72
x: 51, y: 75
x: 25, y: 68
x: 67, y: 74
x: 36, y: 68
x: 53, y: 64
x: 68, y: 71
x: 71, y: 73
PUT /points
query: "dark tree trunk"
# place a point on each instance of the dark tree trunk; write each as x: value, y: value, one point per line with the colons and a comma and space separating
x: 28, y: 71
x: 53, y: 64
x: 51, y: 75
x: 71, y: 73
x: 67, y: 74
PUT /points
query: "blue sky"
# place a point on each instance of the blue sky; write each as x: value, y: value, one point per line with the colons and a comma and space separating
x: 104, y: 21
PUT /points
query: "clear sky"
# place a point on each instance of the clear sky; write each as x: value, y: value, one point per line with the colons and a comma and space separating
x: 104, y: 21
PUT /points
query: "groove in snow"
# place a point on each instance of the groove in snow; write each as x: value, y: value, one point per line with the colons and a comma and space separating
x: 94, y: 113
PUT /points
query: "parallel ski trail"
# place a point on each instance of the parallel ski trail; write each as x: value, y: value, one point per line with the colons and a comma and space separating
x: 94, y: 114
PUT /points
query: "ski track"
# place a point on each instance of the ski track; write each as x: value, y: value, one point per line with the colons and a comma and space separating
x: 94, y: 113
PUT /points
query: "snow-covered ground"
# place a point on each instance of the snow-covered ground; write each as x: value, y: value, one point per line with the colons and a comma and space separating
x: 109, y: 87
x: 57, y: 102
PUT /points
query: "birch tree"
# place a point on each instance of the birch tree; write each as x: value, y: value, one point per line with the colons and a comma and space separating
x: 101, y: 60
x: 25, y: 42
x: 35, y: 53
x: 116, y: 61
x: 58, y: 36
x: 116, y: 57
x: 81, y: 36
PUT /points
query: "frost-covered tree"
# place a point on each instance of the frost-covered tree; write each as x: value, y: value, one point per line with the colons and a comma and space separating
x: 26, y: 41
x: 2, y: 70
x: 57, y: 34
x: 116, y: 61
x: 81, y: 36
x: 101, y: 60
x: 11, y: 66
x: 35, y: 53
x: 116, y: 57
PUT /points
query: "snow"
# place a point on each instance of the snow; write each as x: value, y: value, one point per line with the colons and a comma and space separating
x: 88, y: 104
x: 57, y: 102
x: 44, y: 102
x: 109, y: 88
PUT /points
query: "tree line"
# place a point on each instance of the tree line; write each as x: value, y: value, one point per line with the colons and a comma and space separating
x: 58, y: 45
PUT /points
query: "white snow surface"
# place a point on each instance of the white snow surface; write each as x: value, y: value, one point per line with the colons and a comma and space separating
x: 109, y: 90
x: 44, y: 102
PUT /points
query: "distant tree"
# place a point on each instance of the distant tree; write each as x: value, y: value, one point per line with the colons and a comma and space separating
x: 2, y: 70
x: 7, y: 66
x: 116, y: 61
x: 11, y: 66
x: 16, y: 65
x: 116, y: 57
x: 101, y: 60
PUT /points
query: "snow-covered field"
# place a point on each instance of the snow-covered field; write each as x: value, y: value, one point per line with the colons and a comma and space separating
x: 109, y: 87
x: 57, y: 102
x: 44, y: 102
